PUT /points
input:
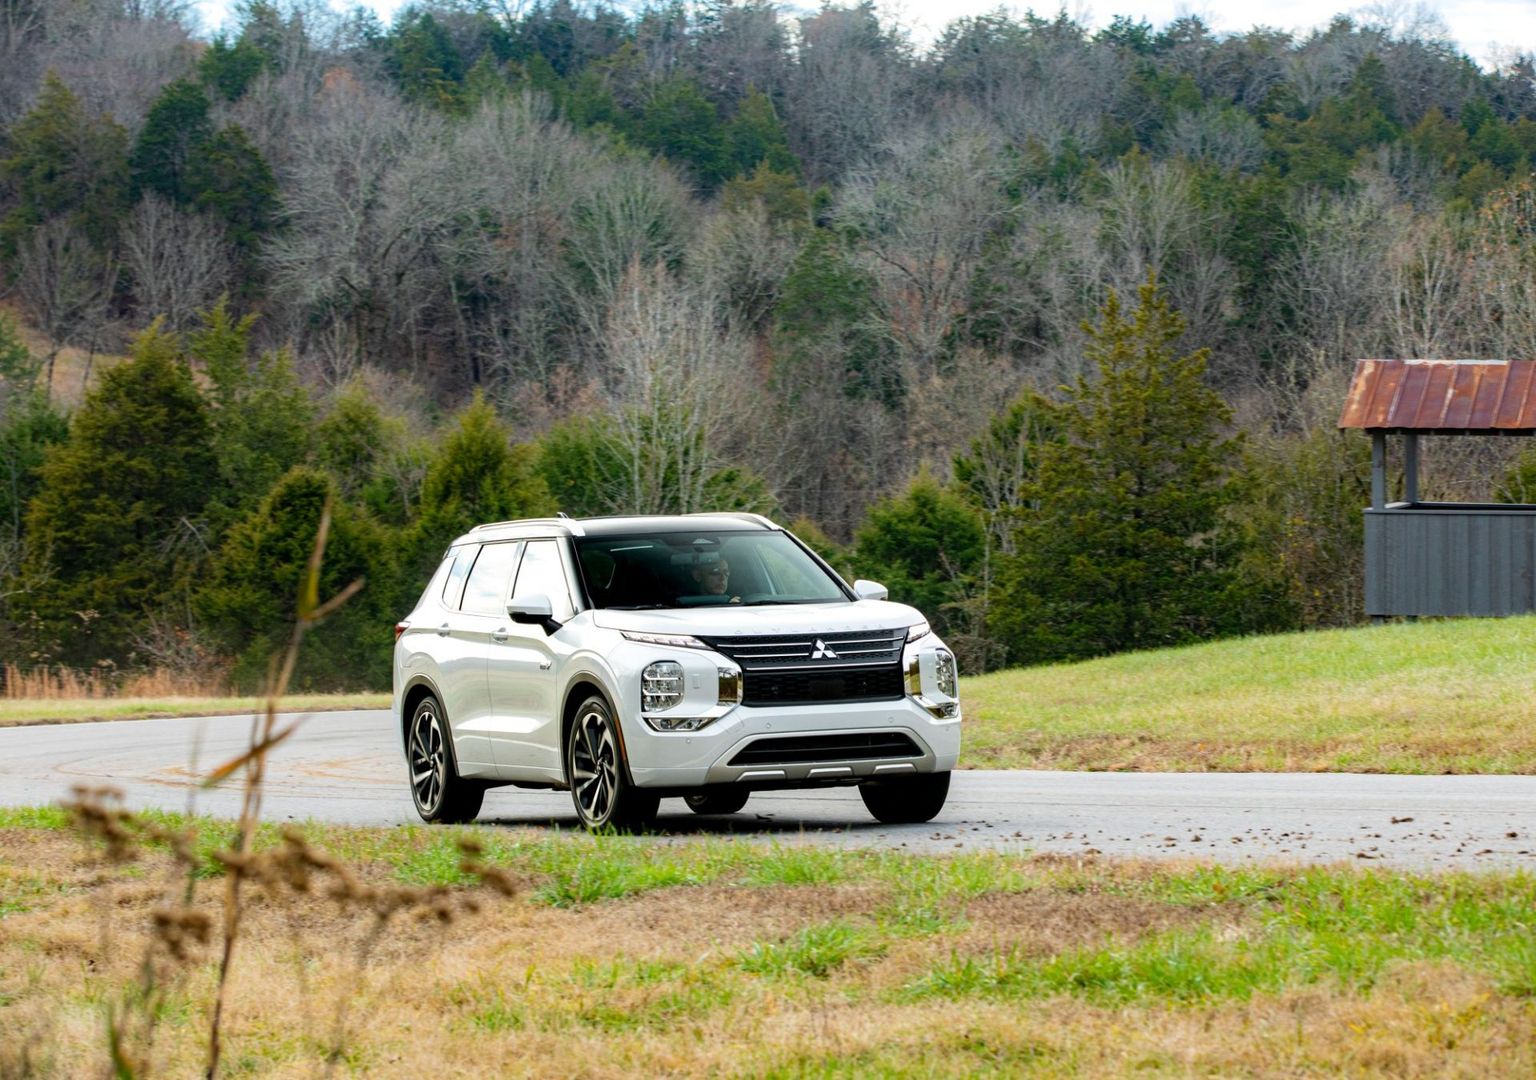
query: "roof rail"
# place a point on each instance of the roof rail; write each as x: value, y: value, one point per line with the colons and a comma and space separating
x: 570, y: 524
x: 756, y: 519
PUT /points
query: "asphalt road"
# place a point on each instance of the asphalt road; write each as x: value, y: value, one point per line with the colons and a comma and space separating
x: 344, y: 767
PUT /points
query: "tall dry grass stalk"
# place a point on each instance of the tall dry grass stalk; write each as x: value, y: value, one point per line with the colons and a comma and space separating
x: 265, y: 735
x: 59, y: 683
x: 182, y: 931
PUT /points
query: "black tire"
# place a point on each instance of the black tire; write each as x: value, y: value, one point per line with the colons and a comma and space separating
x: 441, y: 795
x: 717, y: 800
x: 906, y: 800
x: 601, y: 789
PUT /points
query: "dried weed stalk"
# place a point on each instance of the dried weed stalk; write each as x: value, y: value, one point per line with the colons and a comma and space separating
x: 180, y: 931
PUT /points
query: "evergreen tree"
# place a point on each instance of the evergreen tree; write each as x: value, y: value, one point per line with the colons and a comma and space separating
x: 678, y: 121
x: 827, y: 308
x: 425, y: 63
x: 927, y: 546
x: 116, y: 514
x: 28, y: 426
x: 227, y: 176
x: 175, y: 129
x: 1131, y: 545
x: 61, y: 162
x: 231, y: 68
x: 477, y: 476
x: 261, y: 418
x: 251, y: 595
x: 755, y: 138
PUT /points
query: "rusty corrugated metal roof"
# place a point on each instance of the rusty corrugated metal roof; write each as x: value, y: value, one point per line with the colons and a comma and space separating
x: 1473, y: 397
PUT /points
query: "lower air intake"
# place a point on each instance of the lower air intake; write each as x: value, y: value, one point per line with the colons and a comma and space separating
x: 804, y: 749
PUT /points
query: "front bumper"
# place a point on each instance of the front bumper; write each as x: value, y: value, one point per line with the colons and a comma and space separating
x: 692, y: 759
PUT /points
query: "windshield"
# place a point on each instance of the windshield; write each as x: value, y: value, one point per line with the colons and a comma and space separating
x: 665, y: 570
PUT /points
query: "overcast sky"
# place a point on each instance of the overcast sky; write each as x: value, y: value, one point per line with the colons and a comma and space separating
x: 1487, y: 30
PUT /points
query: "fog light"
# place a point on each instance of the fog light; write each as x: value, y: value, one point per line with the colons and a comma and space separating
x: 661, y: 685
x: 679, y: 723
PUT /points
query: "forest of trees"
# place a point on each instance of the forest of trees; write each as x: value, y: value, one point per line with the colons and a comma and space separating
x: 1046, y: 328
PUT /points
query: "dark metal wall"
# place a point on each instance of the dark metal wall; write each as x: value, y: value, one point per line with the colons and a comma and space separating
x: 1450, y: 559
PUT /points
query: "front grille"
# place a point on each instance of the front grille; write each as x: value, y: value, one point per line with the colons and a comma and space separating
x: 822, y: 686
x: 842, y: 648
x: 800, y: 749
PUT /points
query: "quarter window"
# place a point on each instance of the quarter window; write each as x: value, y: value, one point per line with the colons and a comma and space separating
x: 485, y: 593
x: 453, y: 587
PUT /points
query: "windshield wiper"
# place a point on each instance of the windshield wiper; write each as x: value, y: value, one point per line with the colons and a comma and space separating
x: 636, y: 607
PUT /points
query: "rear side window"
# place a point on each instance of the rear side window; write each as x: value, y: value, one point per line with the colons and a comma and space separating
x: 485, y: 593
x: 453, y: 587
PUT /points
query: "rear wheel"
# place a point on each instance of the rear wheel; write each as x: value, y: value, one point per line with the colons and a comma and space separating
x: 717, y: 801
x: 906, y: 800
x: 599, y: 776
x: 440, y: 793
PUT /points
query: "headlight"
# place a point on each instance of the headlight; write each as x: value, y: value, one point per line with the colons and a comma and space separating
x: 918, y: 630
x: 674, y: 641
x: 946, y: 674
x: 661, y: 685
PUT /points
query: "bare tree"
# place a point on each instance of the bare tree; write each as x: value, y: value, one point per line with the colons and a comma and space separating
x: 627, y: 213
x: 848, y: 89
x: 1428, y: 307
x: 678, y: 389
x: 179, y: 262
x: 924, y: 212
x: 65, y: 287
x: 1337, y: 279
x: 1228, y: 138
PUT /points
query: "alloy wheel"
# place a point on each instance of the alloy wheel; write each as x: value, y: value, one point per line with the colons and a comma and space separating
x: 429, y: 758
x: 594, y: 766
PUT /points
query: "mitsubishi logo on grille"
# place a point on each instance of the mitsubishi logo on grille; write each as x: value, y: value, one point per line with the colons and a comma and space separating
x: 823, y: 651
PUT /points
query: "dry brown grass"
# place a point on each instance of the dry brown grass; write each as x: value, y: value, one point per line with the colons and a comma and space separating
x: 59, y: 683
x: 652, y: 985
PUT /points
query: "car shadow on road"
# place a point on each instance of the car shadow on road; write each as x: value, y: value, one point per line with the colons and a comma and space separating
x: 688, y: 825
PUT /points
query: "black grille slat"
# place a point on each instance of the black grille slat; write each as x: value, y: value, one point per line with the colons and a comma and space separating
x: 803, y: 749
x: 821, y: 686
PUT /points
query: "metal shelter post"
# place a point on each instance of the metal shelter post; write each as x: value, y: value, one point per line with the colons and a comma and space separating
x: 1411, y: 463
x: 1378, y: 471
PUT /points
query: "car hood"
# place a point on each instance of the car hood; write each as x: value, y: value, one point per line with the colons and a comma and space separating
x: 731, y: 620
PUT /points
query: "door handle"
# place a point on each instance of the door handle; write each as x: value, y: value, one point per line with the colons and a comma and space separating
x: 544, y: 665
x: 442, y: 631
x: 500, y: 634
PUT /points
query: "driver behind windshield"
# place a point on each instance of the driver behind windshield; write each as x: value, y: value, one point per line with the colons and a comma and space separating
x: 714, y: 579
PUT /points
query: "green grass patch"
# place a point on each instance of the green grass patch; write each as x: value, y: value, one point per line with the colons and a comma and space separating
x: 34, y: 817
x: 816, y: 951
x: 1453, y: 696
x: 1343, y: 928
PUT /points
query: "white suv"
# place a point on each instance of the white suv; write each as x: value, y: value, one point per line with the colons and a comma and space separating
x: 629, y: 659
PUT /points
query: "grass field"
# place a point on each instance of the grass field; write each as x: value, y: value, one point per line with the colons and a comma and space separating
x: 619, y: 957
x: 1455, y: 696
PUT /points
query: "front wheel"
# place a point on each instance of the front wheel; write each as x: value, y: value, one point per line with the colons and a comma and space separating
x: 594, y: 764
x: 906, y: 800
x: 717, y: 801
x: 440, y: 793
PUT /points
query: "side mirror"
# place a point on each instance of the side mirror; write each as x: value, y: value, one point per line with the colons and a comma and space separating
x: 535, y: 609
x: 870, y: 590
